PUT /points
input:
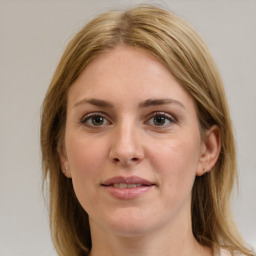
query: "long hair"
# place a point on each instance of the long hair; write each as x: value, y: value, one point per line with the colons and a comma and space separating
x: 177, y: 46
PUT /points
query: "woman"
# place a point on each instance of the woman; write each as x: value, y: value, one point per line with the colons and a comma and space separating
x: 137, y: 142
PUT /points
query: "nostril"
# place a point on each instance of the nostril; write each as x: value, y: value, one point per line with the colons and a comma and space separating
x: 116, y: 160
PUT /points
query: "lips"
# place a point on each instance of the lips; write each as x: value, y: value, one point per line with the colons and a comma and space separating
x: 127, y: 182
x: 127, y: 187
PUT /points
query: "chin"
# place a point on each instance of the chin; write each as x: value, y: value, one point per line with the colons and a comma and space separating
x: 130, y: 224
x: 129, y: 230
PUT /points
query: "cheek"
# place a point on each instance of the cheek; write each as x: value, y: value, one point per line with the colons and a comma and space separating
x: 85, y: 156
x: 176, y: 162
x: 86, y: 160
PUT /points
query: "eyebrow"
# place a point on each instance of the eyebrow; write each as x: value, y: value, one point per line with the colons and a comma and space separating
x: 95, y: 102
x: 146, y: 103
x: 157, y: 102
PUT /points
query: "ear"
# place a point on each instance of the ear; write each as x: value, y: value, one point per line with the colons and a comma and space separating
x: 64, y: 162
x: 210, y: 150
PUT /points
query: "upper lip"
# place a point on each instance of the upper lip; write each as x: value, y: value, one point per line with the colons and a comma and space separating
x: 126, y: 180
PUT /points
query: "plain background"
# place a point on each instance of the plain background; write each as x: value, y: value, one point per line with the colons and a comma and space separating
x: 33, y: 35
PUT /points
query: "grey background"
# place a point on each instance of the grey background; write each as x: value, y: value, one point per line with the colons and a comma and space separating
x: 33, y: 35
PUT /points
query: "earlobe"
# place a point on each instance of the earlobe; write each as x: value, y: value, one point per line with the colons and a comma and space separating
x: 66, y: 171
x: 210, y: 150
x: 64, y: 162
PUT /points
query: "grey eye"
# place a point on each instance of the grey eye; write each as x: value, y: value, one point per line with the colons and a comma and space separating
x: 160, y: 120
x: 97, y: 120
x: 94, y: 120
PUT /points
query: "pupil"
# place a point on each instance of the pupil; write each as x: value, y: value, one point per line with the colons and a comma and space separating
x: 97, y: 120
x: 159, y: 120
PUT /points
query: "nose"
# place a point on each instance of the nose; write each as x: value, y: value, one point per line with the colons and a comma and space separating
x: 126, y: 146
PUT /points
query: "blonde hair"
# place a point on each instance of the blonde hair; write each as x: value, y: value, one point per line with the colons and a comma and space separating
x: 177, y: 46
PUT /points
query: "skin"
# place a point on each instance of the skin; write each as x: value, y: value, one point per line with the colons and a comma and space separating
x: 128, y: 138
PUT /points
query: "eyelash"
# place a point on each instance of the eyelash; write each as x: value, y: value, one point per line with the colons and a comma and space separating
x: 89, y: 117
x: 163, y: 115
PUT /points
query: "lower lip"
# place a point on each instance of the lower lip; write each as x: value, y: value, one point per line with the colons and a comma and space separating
x: 127, y: 193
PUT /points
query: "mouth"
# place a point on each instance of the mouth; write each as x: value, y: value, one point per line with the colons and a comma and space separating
x: 127, y: 182
x: 127, y: 187
x: 124, y: 185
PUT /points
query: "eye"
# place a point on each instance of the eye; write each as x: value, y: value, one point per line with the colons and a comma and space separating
x: 94, y: 120
x: 160, y: 119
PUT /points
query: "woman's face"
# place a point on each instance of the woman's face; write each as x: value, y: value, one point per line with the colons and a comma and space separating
x: 132, y: 144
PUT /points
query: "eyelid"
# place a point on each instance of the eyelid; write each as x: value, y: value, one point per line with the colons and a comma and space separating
x: 161, y: 113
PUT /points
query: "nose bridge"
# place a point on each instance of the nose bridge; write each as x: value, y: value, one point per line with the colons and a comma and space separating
x: 126, y: 145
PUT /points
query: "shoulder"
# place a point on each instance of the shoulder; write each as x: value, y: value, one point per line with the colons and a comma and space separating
x: 224, y: 252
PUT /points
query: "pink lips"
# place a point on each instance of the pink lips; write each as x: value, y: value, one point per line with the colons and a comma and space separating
x: 136, y: 186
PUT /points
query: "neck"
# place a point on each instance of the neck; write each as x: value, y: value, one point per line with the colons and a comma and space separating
x: 164, y: 243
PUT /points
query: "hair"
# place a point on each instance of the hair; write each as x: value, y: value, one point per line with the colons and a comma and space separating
x: 177, y: 46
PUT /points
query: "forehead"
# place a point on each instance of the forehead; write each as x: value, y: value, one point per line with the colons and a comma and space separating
x: 126, y: 73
